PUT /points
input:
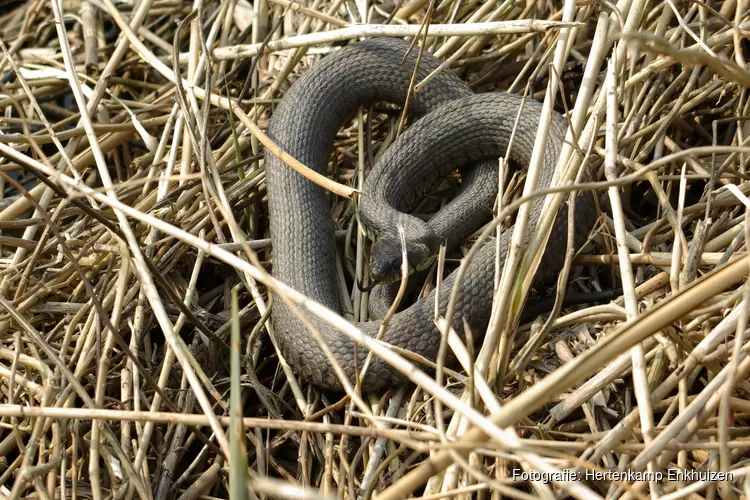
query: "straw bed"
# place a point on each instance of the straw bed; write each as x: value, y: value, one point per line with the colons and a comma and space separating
x: 135, y: 351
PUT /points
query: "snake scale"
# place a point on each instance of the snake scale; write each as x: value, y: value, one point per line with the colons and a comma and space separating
x: 458, y: 129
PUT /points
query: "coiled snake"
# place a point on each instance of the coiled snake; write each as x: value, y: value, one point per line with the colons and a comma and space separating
x: 460, y: 129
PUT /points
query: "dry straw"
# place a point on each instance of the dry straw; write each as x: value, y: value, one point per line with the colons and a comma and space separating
x: 136, y: 355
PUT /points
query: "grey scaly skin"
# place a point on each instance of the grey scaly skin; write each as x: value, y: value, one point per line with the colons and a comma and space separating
x: 461, y: 129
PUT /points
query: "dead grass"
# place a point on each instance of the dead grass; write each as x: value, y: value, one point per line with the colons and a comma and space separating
x: 134, y: 258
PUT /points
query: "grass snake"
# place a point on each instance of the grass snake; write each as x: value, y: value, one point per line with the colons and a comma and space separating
x: 459, y: 129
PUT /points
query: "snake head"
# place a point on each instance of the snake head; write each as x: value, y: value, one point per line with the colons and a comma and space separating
x: 386, y: 258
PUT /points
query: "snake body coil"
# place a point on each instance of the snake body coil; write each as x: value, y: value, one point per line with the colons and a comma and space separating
x: 461, y: 129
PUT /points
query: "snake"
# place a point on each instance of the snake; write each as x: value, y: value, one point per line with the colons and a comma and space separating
x: 454, y: 129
